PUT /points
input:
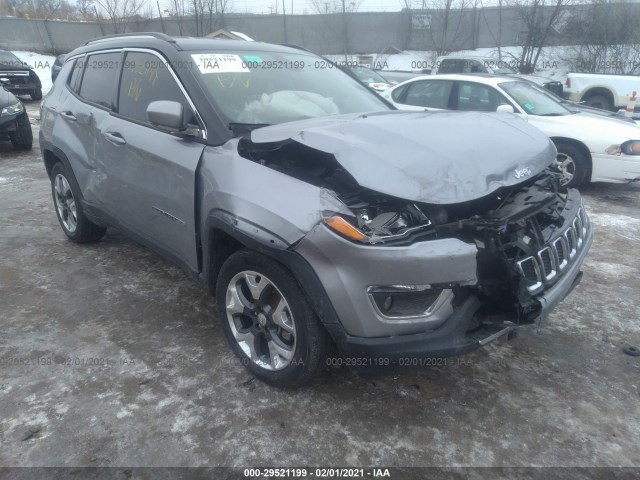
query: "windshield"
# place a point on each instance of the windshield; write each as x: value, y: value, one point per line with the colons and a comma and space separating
x: 534, y: 99
x: 367, y: 75
x: 267, y: 88
x: 8, y: 58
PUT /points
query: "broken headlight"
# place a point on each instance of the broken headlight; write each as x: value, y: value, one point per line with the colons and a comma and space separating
x: 375, y: 225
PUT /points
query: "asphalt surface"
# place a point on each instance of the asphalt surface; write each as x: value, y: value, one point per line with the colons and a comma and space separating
x: 111, y: 356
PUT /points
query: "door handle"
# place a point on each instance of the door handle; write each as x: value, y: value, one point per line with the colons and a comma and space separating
x: 69, y: 115
x: 115, y: 137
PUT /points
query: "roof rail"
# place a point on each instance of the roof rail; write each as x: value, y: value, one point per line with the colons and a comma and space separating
x: 158, y: 35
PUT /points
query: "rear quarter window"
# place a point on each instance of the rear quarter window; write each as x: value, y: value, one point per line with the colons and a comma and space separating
x: 100, y: 78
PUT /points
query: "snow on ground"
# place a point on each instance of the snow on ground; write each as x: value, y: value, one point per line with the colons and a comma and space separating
x: 41, y: 64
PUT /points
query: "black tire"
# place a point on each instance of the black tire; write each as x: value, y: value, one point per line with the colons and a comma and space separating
x: 580, y: 170
x: 22, y: 138
x: 84, y: 231
x: 309, y: 345
x: 599, y: 101
x: 36, y: 93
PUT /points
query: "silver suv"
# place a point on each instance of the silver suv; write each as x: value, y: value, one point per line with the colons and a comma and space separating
x: 317, y: 214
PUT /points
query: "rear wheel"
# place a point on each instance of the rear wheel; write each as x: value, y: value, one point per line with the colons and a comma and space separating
x: 74, y: 223
x: 22, y: 138
x: 599, y: 101
x: 268, y: 321
x: 572, y: 164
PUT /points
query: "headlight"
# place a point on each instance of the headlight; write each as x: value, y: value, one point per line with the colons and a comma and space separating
x: 12, y: 109
x: 371, y: 225
x: 630, y: 147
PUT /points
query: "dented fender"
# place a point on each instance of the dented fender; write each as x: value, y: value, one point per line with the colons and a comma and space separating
x: 260, y: 202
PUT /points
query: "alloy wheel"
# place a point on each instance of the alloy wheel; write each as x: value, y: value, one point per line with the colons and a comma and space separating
x: 65, y: 203
x: 261, y: 320
x: 566, y: 166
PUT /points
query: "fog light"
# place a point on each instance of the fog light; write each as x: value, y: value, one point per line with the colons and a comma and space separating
x: 387, y: 304
x: 406, y: 301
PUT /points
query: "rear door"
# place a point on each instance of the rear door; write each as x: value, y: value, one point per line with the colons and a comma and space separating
x: 152, y: 173
x: 89, y: 98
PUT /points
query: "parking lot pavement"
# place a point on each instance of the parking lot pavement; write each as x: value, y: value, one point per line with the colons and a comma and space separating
x: 111, y: 356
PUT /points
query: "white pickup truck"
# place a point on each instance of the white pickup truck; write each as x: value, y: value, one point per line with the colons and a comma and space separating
x: 608, y: 92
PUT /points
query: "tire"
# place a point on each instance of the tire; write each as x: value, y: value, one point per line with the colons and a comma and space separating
x: 599, y: 101
x: 75, y: 225
x: 22, y: 138
x: 36, y: 93
x: 285, y: 350
x: 572, y: 163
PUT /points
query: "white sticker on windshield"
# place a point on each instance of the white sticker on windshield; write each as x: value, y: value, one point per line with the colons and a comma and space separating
x: 219, y: 63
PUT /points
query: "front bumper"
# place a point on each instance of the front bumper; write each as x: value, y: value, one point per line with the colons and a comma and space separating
x: 8, y: 123
x: 615, y: 168
x: 461, y: 325
x: 347, y: 271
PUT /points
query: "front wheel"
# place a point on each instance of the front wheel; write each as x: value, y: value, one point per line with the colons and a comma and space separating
x: 36, y: 93
x: 22, y: 138
x: 572, y: 164
x: 268, y: 321
x: 76, y: 226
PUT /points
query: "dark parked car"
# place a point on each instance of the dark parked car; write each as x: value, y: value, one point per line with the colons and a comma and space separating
x: 57, y: 65
x: 313, y: 210
x: 22, y: 79
x: 14, y: 122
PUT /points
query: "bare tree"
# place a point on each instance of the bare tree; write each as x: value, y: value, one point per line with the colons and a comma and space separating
x: 46, y: 9
x: 85, y: 10
x: 335, y: 6
x: 121, y: 12
x: 606, y: 36
x: 178, y: 10
x: 449, y: 31
x: 497, y: 36
x: 539, y: 18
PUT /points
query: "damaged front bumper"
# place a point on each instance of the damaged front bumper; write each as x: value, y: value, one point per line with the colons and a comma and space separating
x: 457, y: 319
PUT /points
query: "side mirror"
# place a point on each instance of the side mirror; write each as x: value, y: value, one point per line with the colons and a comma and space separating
x: 166, y: 114
x: 505, y: 109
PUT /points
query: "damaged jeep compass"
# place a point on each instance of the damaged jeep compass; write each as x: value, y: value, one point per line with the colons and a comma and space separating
x: 314, y: 212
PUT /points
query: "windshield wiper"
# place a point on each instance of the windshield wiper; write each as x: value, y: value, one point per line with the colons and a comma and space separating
x: 551, y: 115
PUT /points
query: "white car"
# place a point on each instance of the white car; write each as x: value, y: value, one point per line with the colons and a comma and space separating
x: 591, y: 147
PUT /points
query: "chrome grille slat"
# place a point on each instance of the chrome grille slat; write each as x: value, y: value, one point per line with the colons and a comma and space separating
x: 548, y: 263
x: 554, y: 257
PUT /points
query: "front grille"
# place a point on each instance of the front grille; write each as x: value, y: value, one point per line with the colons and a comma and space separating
x: 555, y: 87
x: 553, y: 259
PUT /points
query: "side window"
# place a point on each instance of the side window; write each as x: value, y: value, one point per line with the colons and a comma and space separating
x: 450, y: 65
x: 478, y: 97
x: 429, y: 94
x: 100, y: 77
x: 398, y: 94
x: 75, y: 73
x: 145, y: 79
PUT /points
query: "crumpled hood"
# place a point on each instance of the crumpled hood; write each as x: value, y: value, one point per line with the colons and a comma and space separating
x: 431, y: 157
